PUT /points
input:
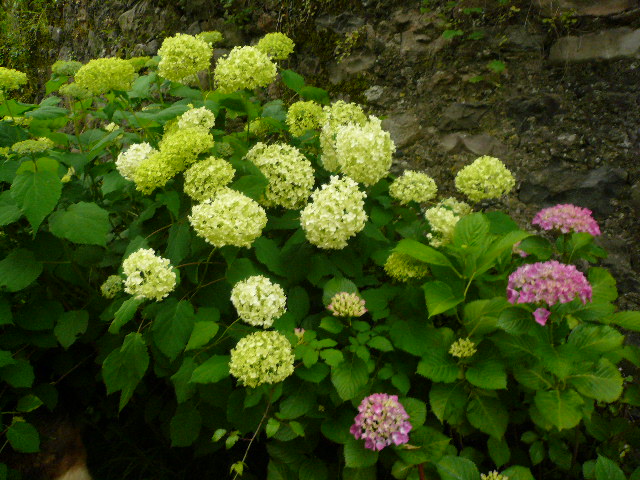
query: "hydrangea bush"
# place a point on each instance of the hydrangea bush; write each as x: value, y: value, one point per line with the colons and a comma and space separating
x: 277, y: 301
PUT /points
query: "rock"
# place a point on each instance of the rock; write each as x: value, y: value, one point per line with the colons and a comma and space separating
x: 56, y: 34
x: 127, y: 20
x: 635, y: 196
x: 542, y: 107
x: 405, y: 128
x: 461, y: 116
x: 604, y: 45
x: 350, y: 65
x: 481, y: 144
x: 585, y: 7
x: 517, y: 37
x: 374, y: 93
x: 342, y: 24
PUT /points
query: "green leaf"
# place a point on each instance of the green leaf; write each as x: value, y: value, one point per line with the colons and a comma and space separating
x: 292, y: 80
x: 179, y: 242
x: 515, y: 320
x: 83, y: 222
x: 314, y: 374
x: 46, y: 112
x: 629, y: 320
x: 182, y: 380
x: 313, y: 469
x: 561, y: 408
x: 349, y: 377
x: 253, y: 186
x: 332, y: 357
x: 603, y: 285
x: 416, y: 409
x: 125, y: 366
x: 185, y: 425
x: 488, y: 415
x: 592, y: 340
x: 538, y: 246
x: 23, y: 436
x: 481, y: 316
x: 498, y: 451
x: 603, y: 382
x: 380, y: 343
x: 19, y: 270
x: 337, y: 285
x: 316, y: 94
x: 172, y: 327
x: 608, y: 470
x: 331, y: 324
x: 37, y: 192
x: 457, y: 468
x: 422, y: 252
x: 518, y: 473
x: 268, y: 253
x: 440, y: 297
x: 297, y: 404
x: 70, y: 325
x: 438, y: 366
x: 141, y: 86
x: 6, y: 358
x: 449, y: 34
x: 471, y: 230
x: 201, y: 334
x: 427, y: 445
x: 9, y: 211
x: 19, y: 374
x: 488, y: 374
x: 497, y: 66
x: 213, y: 370
x: 356, y: 456
x: 29, y: 403
x: 414, y: 337
x: 124, y: 314
x: 448, y: 401
x: 368, y: 473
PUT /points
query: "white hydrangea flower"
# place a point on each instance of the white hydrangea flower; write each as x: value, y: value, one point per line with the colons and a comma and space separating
x: 197, y: 117
x: 443, y: 219
x: 336, y: 115
x: 148, y: 276
x: 364, y: 152
x: 335, y: 214
x: 262, y: 357
x: 413, y: 186
x: 230, y: 218
x: 290, y: 174
x: 183, y: 56
x: 129, y: 160
x: 203, y: 179
x: 485, y: 178
x: 244, y: 67
x: 258, y: 301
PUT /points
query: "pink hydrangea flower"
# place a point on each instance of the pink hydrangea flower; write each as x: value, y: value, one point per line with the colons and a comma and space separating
x: 547, y: 283
x: 567, y: 218
x: 541, y: 315
x: 382, y: 421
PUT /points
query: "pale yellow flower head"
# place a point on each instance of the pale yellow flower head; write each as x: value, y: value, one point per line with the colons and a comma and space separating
x: 337, y: 115
x: 244, y: 67
x: 148, y: 276
x: 197, y: 117
x: 74, y: 90
x: 303, y: 116
x: 276, y: 45
x: 405, y: 268
x: 485, y: 178
x: 129, y: 160
x: 184, y: 145
x: 155, y: 170
x: 11, y: 79
x: 494, y: 475
x: 105, y: 74
x: 258, y: 301
x: 204, y: 178
x: 462, y: 348
x: 212, y: 37
x: 183, y: 56
x: 262, y: 357
x: 413, y: 186
x: 66, y: 67
x: 39, y: 145
x: 443, y: 219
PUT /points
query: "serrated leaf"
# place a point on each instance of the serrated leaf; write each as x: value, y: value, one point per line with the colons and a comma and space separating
x: 19, y: 270
x: 182, y: 380
x: 83, y: 222
x: 125, y: 366
x: 561, y: 408
x: 202, y: 333
x: 516, y: 321
x: 518, y: 472
x: 37, y: 192
x: 438, y: 366
x: 71, y: 325
x: 498, y: 451
x: 608, y: 470
x: 488, y: 374
x: 9, y: 211
x: 297, y: 404
x: 332, y: 357
x: 448, y: 401
x: 292, y: 80
x: 595, y: 339
x: 172, y: 328
x: 629, y: 320
x: 471, y: 230
x: 457, y: 468
x: 23, y: 436
x: 29, y: 403
x: 416, y: 409
x: 602, y: 382
x: 349, y: 377
x: 331, y: 325
x: 213, y: 370
x: 124, y: 314
x: 218, y: 434
x: 488, y: 415
x: 272, y: 427
x: 440, y: 297
x: 380, y: 343
x: 185, y: 426
x: 356, y: 456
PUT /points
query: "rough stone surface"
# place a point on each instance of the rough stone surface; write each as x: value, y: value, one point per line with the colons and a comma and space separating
x: 462, y: 116
x: 481, y: 144
x: 604, y: 45
x: 585, y: 7
x: 404, y: 128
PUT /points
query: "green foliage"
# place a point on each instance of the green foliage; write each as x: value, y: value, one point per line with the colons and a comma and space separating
x: 484, y: 385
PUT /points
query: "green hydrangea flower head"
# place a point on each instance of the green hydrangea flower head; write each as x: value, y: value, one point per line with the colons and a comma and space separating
x: 244, y: 67
x: 38, y: 145
x: 337, y: 115
x: 155, y: 170
x: 462, y: 348
x: 129, y: 160
x: 148, y: 275
x: 111, y: 286
x: 262, y: 357
x: 11, y: 79
x: 405, y: 268
x: 485, y: 178
x: 197, y: 117
x: 364, y: 152
x: 212, y: 37
x: 204, y: 178
x: 67, y: 68
x: 494, y: 475
x: 290, y: 174
x: 23, y: 121
x: 102, y: 75
x: 276, y: 46
x: 346, y: 304
x: 335, y: 214
x: 258, y: 301
x: 456, y: 206
x: 229, y: 218
x: 258, y: 127
x: 183, y: 56
x: 413, y: 186
x: 443, y: 219
x: 73, y: 90
x: 223, y: 149
x: 184, y: 145
x: 303, y: 116
x: 138, y: 63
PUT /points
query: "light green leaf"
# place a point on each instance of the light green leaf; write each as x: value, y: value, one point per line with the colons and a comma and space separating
x: 629, y: 320
x: 471, y: 230
x: 438, y: 366
x: 356, y: 456
x: 422, y: 252
x: 489, y: 374
x: 124, y: 314
x: 272, y: 427
x: 592, y: 340
x: 608, y: 470
x: 349, y: 377
x: 416, y: 409
x: 37, y: 192
x: 172, y: 327
x: 201, y: 334
x: 83, y: 222
x: 185, y: 425
x: 440, y: 297
x: 292, y: 80
x: 332, y: 357
x: 448, y: 401
x: 29, y: 403
x: 561, y: 408
x: 481, y: 316
x: 9, y: 211
x: 23, y: 436
x: 603, y: 285
x: 380, y: 343
x: 516, y: 321
x: 19, y: 270
x: 457, y: 468
x: 125, y: 366
x: 518, y: 473
x: 213, y: 370
x: 70, y: 325
x: 488, y: 415
x: 602, y: 382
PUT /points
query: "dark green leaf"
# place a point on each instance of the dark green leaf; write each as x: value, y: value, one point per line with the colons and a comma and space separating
x: 202, y: 333
x: 9, y: 211
x: 608, y: 470
x: 23, y: 436
x: 70, y: 325
x: 185, y: 425
x: 179, y: 242
x: 37, y: 191
x: 349, y: 377
x: 213, y: 370
x: 182, y: 380
x: 518, y: 473
x: 125, y: 366
x: 18, y: 374
x: 172, y: 327
x: 561, y: 408
x: 292, y: 80
x: 488, y: 415
x: 602, y: 382
x: 438, y: 366
x: 124, y: 314
x: 422, y: 252
x: 82, y: 222
x: 297, y: 404
x: 19, y: 270
x: 488, y: 374
x: 448, y: 401
x: 316, y: 94
x: 457, y: 468
x: 356, y: 456
x: 498, y: 451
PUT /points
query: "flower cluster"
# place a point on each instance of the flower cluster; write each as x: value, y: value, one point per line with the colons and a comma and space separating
x: 258, y: 301
x: 493, y: 475
x: 24, y: 121
x: 73, y: 90
x: 244, y: 67
x: 290, y: 174
x: 183, y: 56
x: 413, y: 186
x: 203, y: 179
x: 485, y: 178
x: 364, y: 152
x: 212, y: 37
x: 66, y: 67
x: 547, y: 283
x: 102, y: 75
x: 154, y: 172
x: 39, y: 145
x: 184, y: 145
x: 148, y: 276
x: 345, y: 304
x: 462, y: 348
x: 230, y: 218
x: 335, y: 214
x: 276, y: 45
x: 11, y: 79
x: 129, y: 160
x: 567, y: 218
x: 337, y: 115
x: 197, y: 117
x: 258, y: 127
x: 262, y: 357
x: 443, y: 219
x: 111, y: 286
x: 404, y: 268
x: 303, y: 116
x: 381, y: 421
